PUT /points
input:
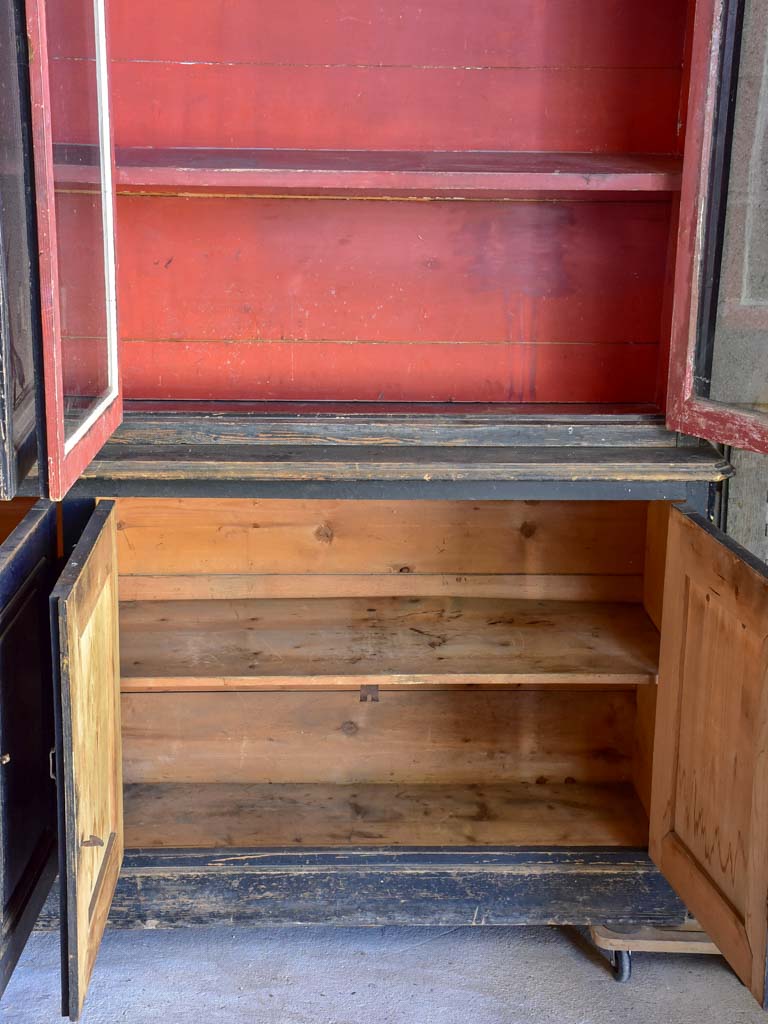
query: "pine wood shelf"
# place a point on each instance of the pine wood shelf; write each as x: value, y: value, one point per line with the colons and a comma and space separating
x: 322, y: 814
x: 394, y: 642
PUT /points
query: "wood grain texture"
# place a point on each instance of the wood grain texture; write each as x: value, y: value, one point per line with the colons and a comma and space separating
x: 688, y: 938
x: 521, y: 814
x: 456, y: 737
x: 344, y: 643
x: 312, y: 466
x: 254, y: 586
x: 645, y: 728
x: 709, y: 826
x: 225, y: 536
x: 318, y: 423
x: 655, y: 560
x: 371, y: 886
x: 89, y: 747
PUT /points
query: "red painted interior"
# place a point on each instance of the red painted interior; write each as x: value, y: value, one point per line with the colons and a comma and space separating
x: 231, y: 295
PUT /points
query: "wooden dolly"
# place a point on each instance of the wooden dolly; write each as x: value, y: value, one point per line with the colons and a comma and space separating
x: 621, y: 943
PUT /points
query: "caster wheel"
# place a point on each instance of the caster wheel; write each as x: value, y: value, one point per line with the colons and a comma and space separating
x: 621, y: 961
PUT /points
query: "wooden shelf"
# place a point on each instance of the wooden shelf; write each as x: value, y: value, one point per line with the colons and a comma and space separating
x: 320, y: 814
x: 367, y: 173
x: 394, y: 642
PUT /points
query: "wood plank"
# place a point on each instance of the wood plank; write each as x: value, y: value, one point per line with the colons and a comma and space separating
x: 709, y: 827
x: 198, y: 536
x: 317, y: 465
x: 404, y: 272
x: 89, y: 761
x: 256, y: 370
x: 457, y: 737
x: 355, y: 887
x: 655, y: 560
x: 645, y: 727
x: 414, y: 317
x: 418, y: 32
x: 366, y: 173
x: 344, y: 643
x: 210, y: 587
x: 688, y: 938
x: 319, y: 423
x: 383, y: 815
x: 620, y: 110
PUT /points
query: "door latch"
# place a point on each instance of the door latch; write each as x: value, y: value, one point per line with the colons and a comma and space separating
x: 369, y: 692
x: 92, y: 841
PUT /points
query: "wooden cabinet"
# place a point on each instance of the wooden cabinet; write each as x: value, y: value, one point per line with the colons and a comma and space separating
x: 370, y: 342
x: 444, y: 712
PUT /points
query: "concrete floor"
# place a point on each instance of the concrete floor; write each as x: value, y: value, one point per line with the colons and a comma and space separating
x: 375, y: 976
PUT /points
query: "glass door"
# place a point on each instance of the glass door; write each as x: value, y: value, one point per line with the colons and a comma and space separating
x: 75, y: 201
x: 719, y: 367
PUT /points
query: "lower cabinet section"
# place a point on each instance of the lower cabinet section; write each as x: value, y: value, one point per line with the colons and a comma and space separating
x: 407, y: 712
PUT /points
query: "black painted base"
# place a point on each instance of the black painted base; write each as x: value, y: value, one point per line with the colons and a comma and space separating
x: 445, y: 887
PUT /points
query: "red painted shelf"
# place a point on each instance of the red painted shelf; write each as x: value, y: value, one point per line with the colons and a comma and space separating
x: 367, y: 173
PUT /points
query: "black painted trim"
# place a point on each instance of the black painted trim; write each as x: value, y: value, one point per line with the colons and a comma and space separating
x: 379, y: 886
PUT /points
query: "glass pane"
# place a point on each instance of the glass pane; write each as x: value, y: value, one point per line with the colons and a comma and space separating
x: 739, y: 360
x: 84, y: 216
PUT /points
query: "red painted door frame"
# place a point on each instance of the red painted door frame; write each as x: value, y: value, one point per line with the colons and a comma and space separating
x: 687, y: 411
x: 63, y: 467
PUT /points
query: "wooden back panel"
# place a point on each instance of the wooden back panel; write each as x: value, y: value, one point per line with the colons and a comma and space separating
x: 437, y: 737
x: 390, y: 301
x: 567, y: 75
x: 539, y: 302
x: 196, y: 548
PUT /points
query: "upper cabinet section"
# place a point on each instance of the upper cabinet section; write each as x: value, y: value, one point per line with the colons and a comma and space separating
x: 530, y: 154
x: 719, y: 368
x: 430, y: 207
x: 69, y: 76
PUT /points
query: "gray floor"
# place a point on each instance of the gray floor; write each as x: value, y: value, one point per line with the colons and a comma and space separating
x: 376, y: 976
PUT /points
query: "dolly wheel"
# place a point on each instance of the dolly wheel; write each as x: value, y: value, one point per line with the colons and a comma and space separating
x: 621, y: 961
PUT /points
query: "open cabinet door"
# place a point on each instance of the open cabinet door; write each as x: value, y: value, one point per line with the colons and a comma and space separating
x: 709, y: 802
x: 27, y: 792
x: 718, y: 376
x: 89, y: 769
x: 20, y: 345
x: 74, y: 179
